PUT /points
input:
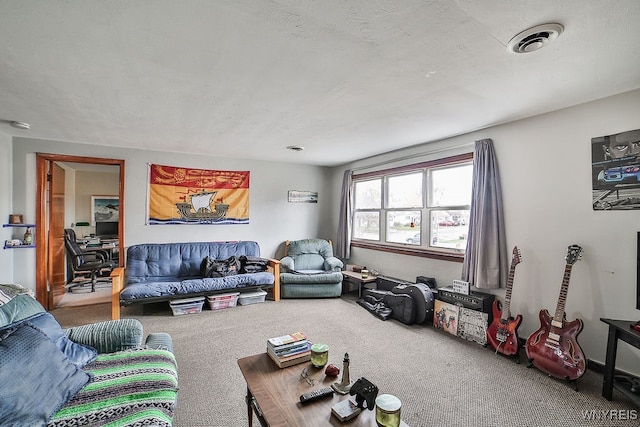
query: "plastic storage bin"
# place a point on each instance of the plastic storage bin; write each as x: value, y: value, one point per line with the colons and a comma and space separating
x: 186, y: 306
x: 220, y: 301
x: 247, y: 298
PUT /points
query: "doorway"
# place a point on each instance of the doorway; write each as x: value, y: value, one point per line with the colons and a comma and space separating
x: 50, y: 221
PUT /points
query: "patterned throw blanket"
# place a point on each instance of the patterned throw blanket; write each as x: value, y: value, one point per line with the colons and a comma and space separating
x: 129, y: 388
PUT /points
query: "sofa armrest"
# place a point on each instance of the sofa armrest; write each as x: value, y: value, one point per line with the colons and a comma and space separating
x: 109, y: 336
x: 287, y: 264
x: 117, y: 284
x: 159, y: 341
x: 335, y: 264
x: 274, y: 268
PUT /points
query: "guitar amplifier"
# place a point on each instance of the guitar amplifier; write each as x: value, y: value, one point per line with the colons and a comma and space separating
x: 478, y: 301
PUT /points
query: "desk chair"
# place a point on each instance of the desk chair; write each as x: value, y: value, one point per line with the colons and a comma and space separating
x: 82, y: 262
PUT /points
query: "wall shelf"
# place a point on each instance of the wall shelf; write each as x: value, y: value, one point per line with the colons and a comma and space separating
x: 18, y: 226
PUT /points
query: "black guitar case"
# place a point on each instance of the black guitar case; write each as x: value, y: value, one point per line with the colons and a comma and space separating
x: 422, y: 299
x: 402, y: 307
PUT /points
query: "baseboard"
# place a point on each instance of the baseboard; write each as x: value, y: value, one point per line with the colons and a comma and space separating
x: 598, y: 367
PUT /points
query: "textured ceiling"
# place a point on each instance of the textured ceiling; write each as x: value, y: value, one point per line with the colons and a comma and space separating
x: 344, y: 79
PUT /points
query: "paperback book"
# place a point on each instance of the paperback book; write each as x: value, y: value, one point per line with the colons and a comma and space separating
x: 284, y: 362
x: 287, y: 339
x: 289, y: 350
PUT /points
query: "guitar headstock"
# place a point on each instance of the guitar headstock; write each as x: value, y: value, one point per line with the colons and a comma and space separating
x: 515, y: 258
x: 574, y: 253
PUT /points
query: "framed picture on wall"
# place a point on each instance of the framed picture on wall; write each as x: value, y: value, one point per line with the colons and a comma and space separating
x: 104, y: 209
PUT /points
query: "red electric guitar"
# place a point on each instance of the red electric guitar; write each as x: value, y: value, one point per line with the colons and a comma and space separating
x: 554, y: 348
x: 502, y: 334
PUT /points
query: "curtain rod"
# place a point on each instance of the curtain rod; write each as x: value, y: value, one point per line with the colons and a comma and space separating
x: 386, y: 162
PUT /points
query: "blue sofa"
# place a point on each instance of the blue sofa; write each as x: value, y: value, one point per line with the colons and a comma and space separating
x: 96, y: 374
x: 156, y: 272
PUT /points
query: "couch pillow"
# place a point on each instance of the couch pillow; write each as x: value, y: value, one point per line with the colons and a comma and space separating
x: 18, y: 308
x: 37, y: 379
x: 78, y: 354
x: 108, y: 336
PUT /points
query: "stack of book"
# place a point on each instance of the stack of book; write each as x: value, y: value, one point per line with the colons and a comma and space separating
x: 289, y: 350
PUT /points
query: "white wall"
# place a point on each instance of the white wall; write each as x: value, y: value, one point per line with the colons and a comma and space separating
x: 272, y: 220
x: 89, y: 184
x: 6, y: 255
x: 545, y: 167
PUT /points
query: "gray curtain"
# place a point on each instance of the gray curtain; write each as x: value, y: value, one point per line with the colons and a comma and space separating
x: 486, y: 258
x: 343, y: 242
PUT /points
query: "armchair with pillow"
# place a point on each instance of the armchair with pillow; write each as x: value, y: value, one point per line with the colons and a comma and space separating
x: 93, y: 374
x: 309, y: 270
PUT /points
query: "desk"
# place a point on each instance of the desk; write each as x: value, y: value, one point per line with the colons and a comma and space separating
x: 618, y: 330
x: 351, y: 277
x: 112, y: 251
x: 274, y: 395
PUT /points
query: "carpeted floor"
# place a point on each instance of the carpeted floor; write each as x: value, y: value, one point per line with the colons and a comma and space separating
x: 442, y: 380
x: 80, y: 296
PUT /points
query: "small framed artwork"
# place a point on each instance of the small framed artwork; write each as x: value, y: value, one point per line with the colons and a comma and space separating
x: 104, y: 209
x: 296, y: 196
x: 16, y: 219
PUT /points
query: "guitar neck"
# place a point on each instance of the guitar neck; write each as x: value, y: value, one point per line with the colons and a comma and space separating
x: 506, y: 305
x: 558, y: 319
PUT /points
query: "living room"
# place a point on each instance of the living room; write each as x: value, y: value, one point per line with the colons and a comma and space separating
x: 545, y: 170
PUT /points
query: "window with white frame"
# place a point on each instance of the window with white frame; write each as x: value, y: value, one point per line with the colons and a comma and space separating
x: 423, y: 207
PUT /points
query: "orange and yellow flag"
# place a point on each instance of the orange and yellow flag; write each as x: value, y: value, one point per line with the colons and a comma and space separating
x: 197, y: 196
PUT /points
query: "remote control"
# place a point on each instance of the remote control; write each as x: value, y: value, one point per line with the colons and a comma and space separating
x: 316, y: 394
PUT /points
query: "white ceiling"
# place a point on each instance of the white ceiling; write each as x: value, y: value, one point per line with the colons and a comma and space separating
x: 345, y: 79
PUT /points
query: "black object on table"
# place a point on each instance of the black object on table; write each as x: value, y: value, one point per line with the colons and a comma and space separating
x: 618, y: 330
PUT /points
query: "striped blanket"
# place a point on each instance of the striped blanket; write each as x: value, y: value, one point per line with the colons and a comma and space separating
x: 129, y: 388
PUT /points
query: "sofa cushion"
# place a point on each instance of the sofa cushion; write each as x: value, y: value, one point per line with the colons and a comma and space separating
x: 77, y: 354
x: 186, y: 286
x: 18, y: 308
x: 311, y: 278
x: 37, y: 378
x: 109, y: 336
x: 135, y: 387
x: 162, y: 262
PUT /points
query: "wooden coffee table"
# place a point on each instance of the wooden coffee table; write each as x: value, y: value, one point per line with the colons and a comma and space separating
x: 274, y: 395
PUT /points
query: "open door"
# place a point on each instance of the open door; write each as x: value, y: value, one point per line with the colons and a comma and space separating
x: 55, y: 235
x: 50, y: 196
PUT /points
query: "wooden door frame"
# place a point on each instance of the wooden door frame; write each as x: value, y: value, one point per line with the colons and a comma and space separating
x: 42, y: 170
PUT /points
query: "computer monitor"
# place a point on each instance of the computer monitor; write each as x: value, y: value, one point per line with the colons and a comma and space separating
x: 107, y: 230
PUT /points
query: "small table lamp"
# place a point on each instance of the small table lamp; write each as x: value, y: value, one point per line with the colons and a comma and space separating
x: 82, y: 224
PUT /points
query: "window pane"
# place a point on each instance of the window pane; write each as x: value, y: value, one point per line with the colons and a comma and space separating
x: 405, y: 191
x: 451, y: 186
x: 368, y: 194
x: 404, y: 227
x: 449, y: 229
x: 366, y: 225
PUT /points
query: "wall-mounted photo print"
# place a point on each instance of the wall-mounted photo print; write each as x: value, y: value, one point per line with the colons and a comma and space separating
x: 297, y: 196
x: 615, y: 171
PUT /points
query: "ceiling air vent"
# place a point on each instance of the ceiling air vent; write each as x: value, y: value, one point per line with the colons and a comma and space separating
x: 534, y: 38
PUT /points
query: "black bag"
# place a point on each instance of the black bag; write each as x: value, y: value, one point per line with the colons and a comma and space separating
x: 401, y: 306
x: 422, y: 297
x: 210, y: 267
x: 372, y: 301
x: 249, y: 264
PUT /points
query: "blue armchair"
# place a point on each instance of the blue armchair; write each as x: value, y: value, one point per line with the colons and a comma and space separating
x: 309, y: 270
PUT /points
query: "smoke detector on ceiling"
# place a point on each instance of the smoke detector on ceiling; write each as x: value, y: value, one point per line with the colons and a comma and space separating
x: 534, y: 38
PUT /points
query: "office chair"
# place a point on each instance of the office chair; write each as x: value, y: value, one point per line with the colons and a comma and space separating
x: 82, y: 262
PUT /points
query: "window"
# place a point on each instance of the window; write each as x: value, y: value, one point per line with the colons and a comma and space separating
x: 415, y: 209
